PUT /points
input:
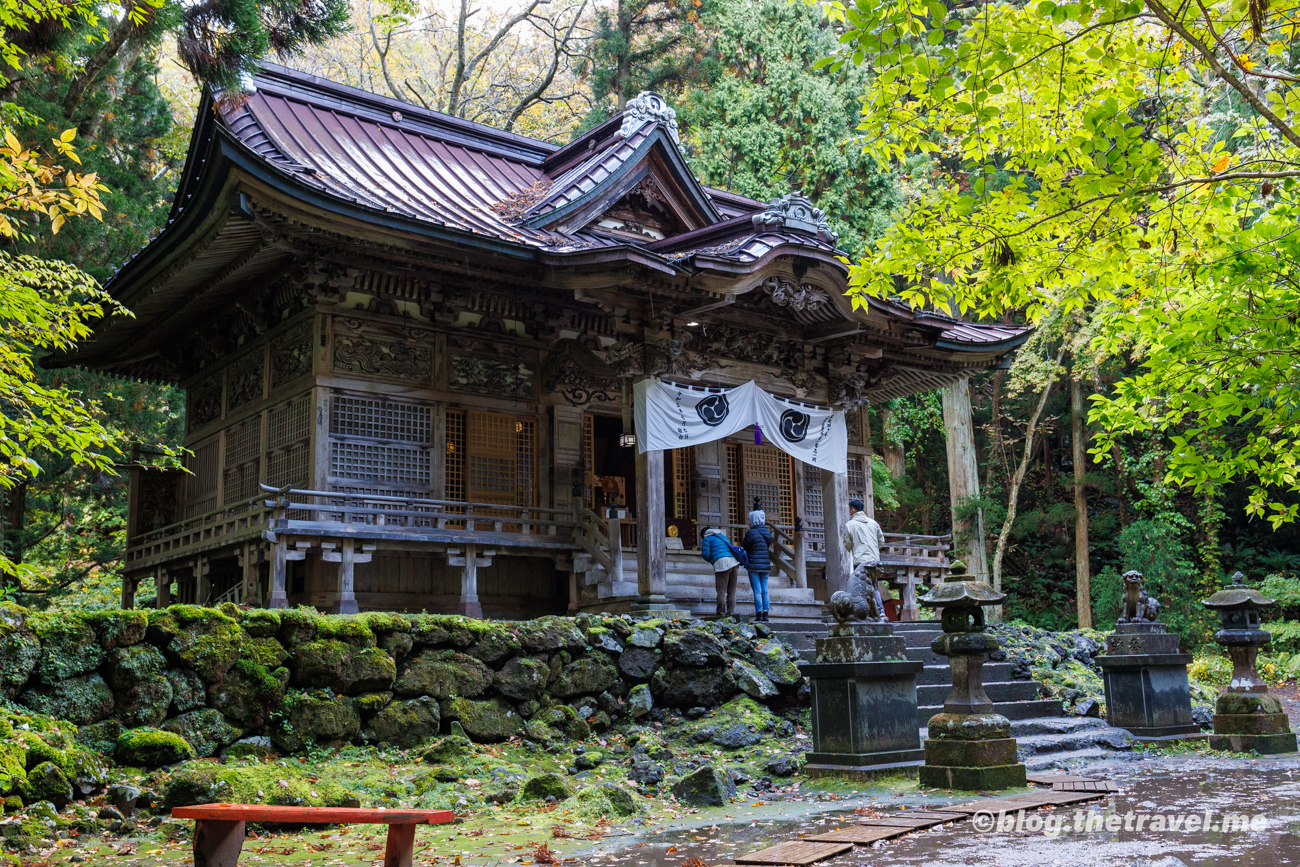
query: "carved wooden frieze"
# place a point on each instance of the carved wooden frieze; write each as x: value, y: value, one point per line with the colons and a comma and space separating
x: 490, y: 365
x: 203, y: 401
x: 291, y: 354
x: 853, y: 421
x: 375, y: 356
x: 244, y: 380
x: 157, y: 505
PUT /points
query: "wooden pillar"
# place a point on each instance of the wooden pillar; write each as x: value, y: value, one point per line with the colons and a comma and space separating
x: 868, y: 487
x: 469, y: 604
x: 438, y: 439
x: 651, y: 544
x: 202, y: 586
x: 251, y: 594
x: 128, y: 590
x: 162, y: 588
x: 964, y: 479
x: 891, y: 451
x: 347, y: 601
x: 279, y: 566
x: 835, y: 514
x: 1082, y: 560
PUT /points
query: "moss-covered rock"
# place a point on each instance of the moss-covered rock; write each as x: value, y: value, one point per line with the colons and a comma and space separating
x: 543, y: 786
x: 383, y: 623
x: 407, y: 723
x: 370, y: 703
x: 119, y: 628
x: 205, y: 730
x: 776, y: 661
x: 69, y: 646
x: 443, y: 674
x: 452, y: 748
x: 266, y: 652
x: 398, y: 645
x: 205, y: 783
x: 705, y: 787
x: 188, y: 691
x: 13, y: 760
x: 298, y: 626
x: 202, y: 639
x: 523, y: 678
x: 430, y: 630
x: 260, y: 622
x: 79, y: 700
x: 692, y: 687
x: 587, y: 675
x: 151, y: 748
x: 752, y: 681
x: 605, y: 800
x: 127, y: 666
x: 46, y: 782
x: 20, y: 649
x: 638, y: 664
x: 318, y: 717
x: 487, y: 721
x: 693, y: 647
x: 342, y: 666
x: 350, y: 629
x: 101, y: 737
x: 566, y: 721
x: 549, y: 634
x: 144, y: 702
x: 494, y: 644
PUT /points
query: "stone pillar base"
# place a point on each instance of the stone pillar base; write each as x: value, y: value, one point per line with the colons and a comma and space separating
x: 988, y: 779
x: 1265, y: 745
x: 863, y: 713
x: 876, y: 767
x: 658, y: 606
x: 345, y: 606
x: 972, y: 752
x: 1147, y: 692
x: 1251, y: 721
x: 470, y: 608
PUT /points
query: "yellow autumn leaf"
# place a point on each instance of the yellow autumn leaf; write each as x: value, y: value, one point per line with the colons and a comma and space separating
x: 1246, y: 63
x: 1222, y: 163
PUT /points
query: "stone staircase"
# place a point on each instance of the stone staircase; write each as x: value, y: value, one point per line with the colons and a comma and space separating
x: 1045, y: 735
x: 691, y: 587
x: 1014, y: 699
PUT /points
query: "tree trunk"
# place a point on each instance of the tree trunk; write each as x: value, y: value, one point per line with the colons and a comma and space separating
x: 963, y: 477
x: 13, y: 517
x: 892, y: 451
x: 624, y: 77
x: 1082, y: 563
x: 97, y: 64
x: 1121, y: 478
x: 1013, y: 493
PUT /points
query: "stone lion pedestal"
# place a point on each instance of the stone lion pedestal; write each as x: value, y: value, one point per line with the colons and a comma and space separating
x: 1147, y: 691
x: 863, y: 701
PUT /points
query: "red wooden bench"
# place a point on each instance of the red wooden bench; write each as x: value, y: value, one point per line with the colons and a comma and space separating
x: 219, y: 828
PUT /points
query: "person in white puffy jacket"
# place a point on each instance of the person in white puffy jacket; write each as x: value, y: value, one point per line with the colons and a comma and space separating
x: 863, y: 538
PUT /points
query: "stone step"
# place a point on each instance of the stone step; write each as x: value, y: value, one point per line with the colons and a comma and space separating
x: 998, y: 691
x: 1056, y: 725
x: 1012, y: 710
x: 1084, y: 739
x: 926, y: 655
x: 1050, y: 761
x: 935, y: 673
x: 919, y: 626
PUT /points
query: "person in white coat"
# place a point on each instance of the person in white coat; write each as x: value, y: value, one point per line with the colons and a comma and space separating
x: 863, y: 539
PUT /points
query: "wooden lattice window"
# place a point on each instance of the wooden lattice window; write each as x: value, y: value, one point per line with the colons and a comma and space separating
x: 734, y: 481
x: 814, y: 513
x: 288, y: 440
x: 857, y: 484
x: 588, y: 460
x: 381, y: 441
x: 491, y: 458
x: 201, y: 482
x: 683, y: 484
x: 243, y: 460
x: 768, y: 474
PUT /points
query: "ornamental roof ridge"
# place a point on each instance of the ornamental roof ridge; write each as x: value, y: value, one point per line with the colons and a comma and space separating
x: 796, y: 211
x: 649, y: 107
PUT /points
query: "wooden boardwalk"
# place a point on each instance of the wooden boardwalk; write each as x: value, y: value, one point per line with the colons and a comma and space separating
x: 1065, y: 790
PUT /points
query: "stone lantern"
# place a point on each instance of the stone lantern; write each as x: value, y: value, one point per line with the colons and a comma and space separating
x: 970, y: 745
x: 1246, y: 717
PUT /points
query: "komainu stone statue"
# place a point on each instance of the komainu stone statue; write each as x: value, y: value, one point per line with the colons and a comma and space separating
x: 1137, y: 606
x: 861, y: 601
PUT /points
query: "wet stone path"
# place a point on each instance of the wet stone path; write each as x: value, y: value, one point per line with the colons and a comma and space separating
x: 1157, y: 818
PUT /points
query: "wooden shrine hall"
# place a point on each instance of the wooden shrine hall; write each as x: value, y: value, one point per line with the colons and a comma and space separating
x: 407, y: 344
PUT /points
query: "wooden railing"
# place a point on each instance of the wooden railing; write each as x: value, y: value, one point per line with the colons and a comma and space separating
x: 602, y: 539
x: 242, y: 520
x: 417, y: 513
x: 903, y: 550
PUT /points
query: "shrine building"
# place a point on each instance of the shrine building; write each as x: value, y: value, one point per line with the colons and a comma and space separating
x: 408, y: 345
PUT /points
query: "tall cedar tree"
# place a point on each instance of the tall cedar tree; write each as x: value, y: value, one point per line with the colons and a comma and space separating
x: 644, y: 45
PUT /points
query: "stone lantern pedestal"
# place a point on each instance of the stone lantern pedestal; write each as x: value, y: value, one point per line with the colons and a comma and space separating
x: 1147, y: 692
x: 970, y: 745
x: 863, y: 701
x: 1246, y: 717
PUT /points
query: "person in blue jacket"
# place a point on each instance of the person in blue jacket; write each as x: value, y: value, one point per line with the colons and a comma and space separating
x: 715, y: 548
x: 758, y: 547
